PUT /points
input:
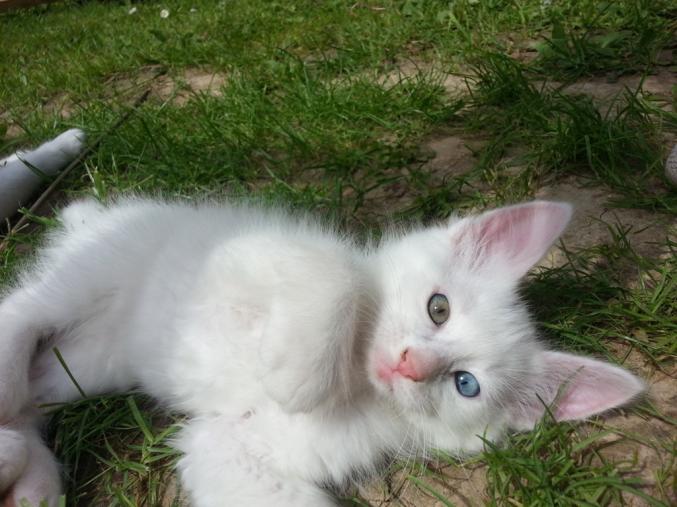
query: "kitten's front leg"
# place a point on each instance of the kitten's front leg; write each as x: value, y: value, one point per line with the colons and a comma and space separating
x: 294, y: 308
x: 310, y: 350
x: 307, y: 360
x: 226, y: 463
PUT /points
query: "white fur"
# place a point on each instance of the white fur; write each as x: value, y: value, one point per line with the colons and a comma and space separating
x: 268, y: 330
x: 20, y: 173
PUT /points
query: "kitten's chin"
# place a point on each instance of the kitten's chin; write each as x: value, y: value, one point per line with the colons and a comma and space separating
x: 400, y: 393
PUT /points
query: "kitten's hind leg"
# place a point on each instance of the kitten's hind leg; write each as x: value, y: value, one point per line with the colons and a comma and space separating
x: 88, y: 364
x: 13, y: 457
x: 28, y: 470
x: 30, y: 374
x: 40, y: 480
x: 225, y: 463
x: 82, y: 328
x: 19, y: 335
x: 27, y: 314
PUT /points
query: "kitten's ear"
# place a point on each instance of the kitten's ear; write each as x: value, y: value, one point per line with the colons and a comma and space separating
x: 574, y: 387
x: 515, y: 238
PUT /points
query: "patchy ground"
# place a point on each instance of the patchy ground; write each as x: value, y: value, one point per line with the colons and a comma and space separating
x: 594, y: 216
x: 176, y: 89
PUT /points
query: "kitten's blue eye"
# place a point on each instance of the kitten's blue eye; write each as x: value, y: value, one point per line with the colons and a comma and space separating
x: 467, y: 384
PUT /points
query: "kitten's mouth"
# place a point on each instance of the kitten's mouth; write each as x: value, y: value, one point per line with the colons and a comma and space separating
x: 384, y: 372
x: 388, y: 373
x: 405, y: 367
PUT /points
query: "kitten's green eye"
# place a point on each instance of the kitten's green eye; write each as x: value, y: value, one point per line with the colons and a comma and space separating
x: 438, y: 308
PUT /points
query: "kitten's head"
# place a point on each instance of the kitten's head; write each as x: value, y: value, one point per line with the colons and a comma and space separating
x: 454, y: 350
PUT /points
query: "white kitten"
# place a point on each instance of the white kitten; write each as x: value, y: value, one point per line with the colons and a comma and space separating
x: 301, y: 358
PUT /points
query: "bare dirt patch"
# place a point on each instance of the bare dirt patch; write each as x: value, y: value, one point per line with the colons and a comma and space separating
x: 593, y: 217
x: 453, y: 84
x: 124, y: 88
x: 11, y: 129
x: 657, y: 85
x: 462, y: 485
x: 451, y: 155
x: 61, y: 105
x: 442, y: 158
x: 172, y: 494
x: 177, y: 89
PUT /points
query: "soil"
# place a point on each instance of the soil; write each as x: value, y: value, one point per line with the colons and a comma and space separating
x: 453, y: 84
x: 462, y: 485
x: 603, y: 89
x: 177, y: 89
x: 592, y: 218
x: 125, y: 88
x: 452, y: 155
x: 648, y: 441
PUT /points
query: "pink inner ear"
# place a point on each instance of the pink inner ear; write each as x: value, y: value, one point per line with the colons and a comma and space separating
x: 588, y: 386
x: 585, y: 387
x: 509, y: 230
x: 519, y: 236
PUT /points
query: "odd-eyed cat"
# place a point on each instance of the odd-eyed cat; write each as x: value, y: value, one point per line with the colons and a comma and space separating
x: 301, y: 358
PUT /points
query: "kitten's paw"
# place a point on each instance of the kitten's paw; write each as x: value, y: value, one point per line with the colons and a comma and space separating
x: 70, y: 143
x: 13, y: 457
x: 226, y: 463
x: 38, y: 482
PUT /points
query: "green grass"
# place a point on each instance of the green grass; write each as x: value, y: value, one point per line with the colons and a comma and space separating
x: 555, y: 465
x: 587, y: 304
x: 113, y: 452
x: 590, y: 37
x: 568, y: 134
x: 311, y: 114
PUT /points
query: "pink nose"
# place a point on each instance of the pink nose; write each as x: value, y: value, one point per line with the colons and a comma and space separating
x: 418, y: 365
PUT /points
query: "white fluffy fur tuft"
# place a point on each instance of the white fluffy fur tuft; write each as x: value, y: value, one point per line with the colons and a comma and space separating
x: 301, y: 358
